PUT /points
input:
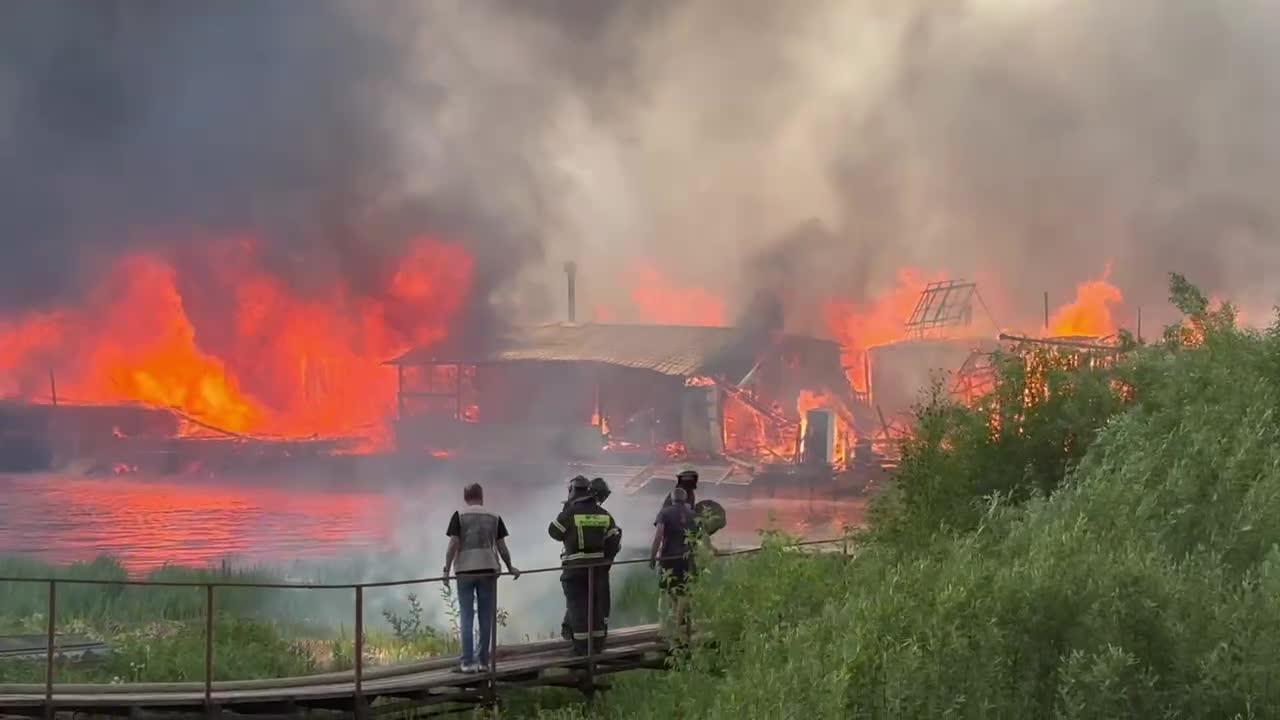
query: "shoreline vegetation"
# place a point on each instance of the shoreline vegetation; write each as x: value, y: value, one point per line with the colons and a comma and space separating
x: 1098, y: 537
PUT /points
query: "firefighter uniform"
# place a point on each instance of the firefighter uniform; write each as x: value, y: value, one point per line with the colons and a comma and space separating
x: 590, y: 537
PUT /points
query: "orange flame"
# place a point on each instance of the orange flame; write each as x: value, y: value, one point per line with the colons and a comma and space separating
x: 860, y: 326
x: 809, y: 400
x: 274, y: 361
x: 658, y: 300
x: 1090, y: 314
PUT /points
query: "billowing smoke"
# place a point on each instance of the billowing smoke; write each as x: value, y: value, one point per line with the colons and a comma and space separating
x: 827, y: 143
x: 146, y: 126
x: 1030, y: 141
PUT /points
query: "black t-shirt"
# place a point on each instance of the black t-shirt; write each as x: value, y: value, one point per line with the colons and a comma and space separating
x: 455, y: 530
x: 676, y: 522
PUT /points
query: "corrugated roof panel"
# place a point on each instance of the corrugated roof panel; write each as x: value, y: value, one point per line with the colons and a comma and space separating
x: 668, y: 349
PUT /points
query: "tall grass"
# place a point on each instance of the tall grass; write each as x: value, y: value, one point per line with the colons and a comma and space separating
x: 120, y: 603
x: 1108, y: 548
x: 157, y: 633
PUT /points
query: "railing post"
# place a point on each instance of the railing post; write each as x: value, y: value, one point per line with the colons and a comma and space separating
x: 591, y: 628
x: 208, y: 649
x: 359, y: 653
x: 49, y: 649
x: 493, y: 645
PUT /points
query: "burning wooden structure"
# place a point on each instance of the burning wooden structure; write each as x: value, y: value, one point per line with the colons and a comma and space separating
x: 736, y: 403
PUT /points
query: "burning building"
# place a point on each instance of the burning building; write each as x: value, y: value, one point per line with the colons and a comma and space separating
x: 631, y: 402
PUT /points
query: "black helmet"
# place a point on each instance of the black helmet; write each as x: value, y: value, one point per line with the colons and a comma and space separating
x: 600, y: 489
x: 687, y: 479
x: 579, y: 483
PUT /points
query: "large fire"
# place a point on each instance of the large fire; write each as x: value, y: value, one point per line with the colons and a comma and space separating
x: 809, y: 400
x: 1089, y: 315
x: 238, y: 349
x: 654, y: 298
x: 858, y: 326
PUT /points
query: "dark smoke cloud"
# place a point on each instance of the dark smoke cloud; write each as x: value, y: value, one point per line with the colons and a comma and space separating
x: 1043, y: 139
x: 131, y: 124
x: 1028, y: 140
x: 806, y: 148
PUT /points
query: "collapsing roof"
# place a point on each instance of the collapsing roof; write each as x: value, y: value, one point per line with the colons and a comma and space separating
x: 667, y: 349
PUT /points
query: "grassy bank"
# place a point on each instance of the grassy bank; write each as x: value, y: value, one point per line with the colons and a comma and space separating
x: 1088, y: 542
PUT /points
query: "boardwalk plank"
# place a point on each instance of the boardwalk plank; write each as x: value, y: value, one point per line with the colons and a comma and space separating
x: 523, y: 665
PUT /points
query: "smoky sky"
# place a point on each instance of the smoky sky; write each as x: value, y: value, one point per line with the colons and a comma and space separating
x: 809, y: 148
x: 139, y: 125
x: 818, y: 147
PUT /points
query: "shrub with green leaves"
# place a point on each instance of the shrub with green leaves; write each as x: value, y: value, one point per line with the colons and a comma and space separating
x: 1108, y: 548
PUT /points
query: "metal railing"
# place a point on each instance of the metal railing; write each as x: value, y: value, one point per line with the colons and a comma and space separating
x: 357, y: 671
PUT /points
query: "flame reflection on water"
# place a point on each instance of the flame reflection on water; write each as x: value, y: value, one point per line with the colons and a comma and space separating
x: 194, y: 521
x: 147, y: 523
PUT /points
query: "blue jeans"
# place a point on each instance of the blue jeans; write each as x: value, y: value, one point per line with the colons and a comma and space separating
x: 476, y: 594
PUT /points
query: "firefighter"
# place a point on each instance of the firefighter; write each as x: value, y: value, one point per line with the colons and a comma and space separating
x: 688, y: 481
x: 600, y: 490
x: 591, y: 539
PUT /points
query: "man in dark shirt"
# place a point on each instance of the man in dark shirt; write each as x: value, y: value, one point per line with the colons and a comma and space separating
x: 476, y: 541
x: 672, y: 550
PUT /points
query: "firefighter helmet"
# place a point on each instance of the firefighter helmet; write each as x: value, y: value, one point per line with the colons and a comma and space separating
x: 600, y: 489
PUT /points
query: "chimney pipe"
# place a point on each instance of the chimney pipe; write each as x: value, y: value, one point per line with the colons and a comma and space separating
x: 571, y: 271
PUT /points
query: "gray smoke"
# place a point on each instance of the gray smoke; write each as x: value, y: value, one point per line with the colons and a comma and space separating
x: 817, y: 147
x: 137, y: 125
x: 807, y: 148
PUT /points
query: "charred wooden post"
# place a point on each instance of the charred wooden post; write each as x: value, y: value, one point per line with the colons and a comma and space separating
x: 457, y: 392
x: 571, y: 272
x: 400, y: 391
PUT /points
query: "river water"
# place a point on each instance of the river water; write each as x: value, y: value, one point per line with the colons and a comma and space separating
x: 393, y: 527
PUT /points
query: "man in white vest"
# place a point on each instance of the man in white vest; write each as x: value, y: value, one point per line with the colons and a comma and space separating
x: 477, y: 539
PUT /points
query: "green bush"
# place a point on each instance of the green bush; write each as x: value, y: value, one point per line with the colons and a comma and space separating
x: 1108, y: 548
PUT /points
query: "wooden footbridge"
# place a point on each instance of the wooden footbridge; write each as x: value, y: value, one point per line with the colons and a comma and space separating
x: 431, y: 685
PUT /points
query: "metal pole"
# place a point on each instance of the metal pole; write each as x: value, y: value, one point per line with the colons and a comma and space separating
x: 208, y: 647
x: 49, y: 649
x: 1046, y: 310
x: 359, y: 652
x: 591, y: 627
x: 493, y: 647
x: 1139, y: 323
